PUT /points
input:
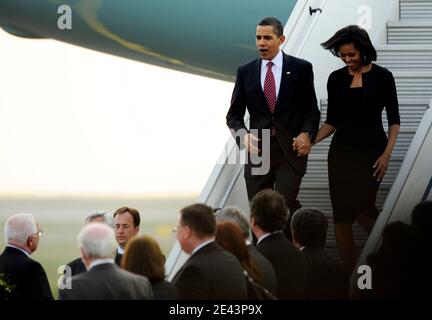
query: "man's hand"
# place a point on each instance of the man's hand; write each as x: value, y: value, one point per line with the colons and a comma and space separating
x: 302, y: 144
x: 251, y: 143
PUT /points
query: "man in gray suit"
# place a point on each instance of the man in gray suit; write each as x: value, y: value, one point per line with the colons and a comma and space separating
x: 104, y: 279
x: 77, y: 266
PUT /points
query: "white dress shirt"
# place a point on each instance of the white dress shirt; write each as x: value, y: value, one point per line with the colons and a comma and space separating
x: 22, y: 250
x: 100, y: 261
x: 265, y: 235
x: 201, y: 245
x: 276, y: 69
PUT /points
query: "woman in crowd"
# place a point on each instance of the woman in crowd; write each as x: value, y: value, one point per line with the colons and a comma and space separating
x: 230, y: 237
x: 143, y: 256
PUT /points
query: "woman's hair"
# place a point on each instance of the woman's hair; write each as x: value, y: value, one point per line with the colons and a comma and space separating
x: 230, y: 237
x: 143, y: 256
x: 355, y: 35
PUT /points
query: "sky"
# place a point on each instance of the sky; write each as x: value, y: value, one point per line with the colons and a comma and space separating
x: 76, y: 122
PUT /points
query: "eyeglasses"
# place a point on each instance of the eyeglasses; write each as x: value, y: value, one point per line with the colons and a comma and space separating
x: 39, y: 233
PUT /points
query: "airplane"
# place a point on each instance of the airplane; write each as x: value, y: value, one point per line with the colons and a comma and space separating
x: 213, y: 38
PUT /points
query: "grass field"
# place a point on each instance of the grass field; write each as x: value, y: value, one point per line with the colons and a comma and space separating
x: 58, y: 244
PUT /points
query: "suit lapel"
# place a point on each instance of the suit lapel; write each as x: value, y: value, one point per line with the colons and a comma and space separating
x: 285, y: 83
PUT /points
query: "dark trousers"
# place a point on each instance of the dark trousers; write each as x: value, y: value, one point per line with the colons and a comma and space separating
x: 282, y: 177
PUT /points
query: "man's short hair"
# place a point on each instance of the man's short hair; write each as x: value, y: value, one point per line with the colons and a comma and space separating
x: 100, y: 214
x: 309, y: 227
x: 200, y: 218
x: 134, y: 212
x: 235, y: 215
x: 97, y: 240
x: 275, y: 23
x: 20, y: 227
x: 269, y: 210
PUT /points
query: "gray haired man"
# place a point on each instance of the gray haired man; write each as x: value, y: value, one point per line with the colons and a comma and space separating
x: 24, y: 276
x: 77, y: 266
x: 104, y: 279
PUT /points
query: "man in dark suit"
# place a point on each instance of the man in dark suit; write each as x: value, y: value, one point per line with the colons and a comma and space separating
x: 326, y: 278
x: 236, y: 215
x: 77, y: 266
x: 104, y: 279
x: 278, y: 92
x: 25, y: 276
x: 211, y: 273
x: 268, y: 217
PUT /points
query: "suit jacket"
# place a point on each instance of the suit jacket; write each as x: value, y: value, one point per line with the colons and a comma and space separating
x: 288, y: 263
x: 26, y: 274
x: 268, y: 273
x: 296, y: 107
x: 107, y: 282
x: 77, y: 266
x: 164, y: 290
x: 326, y: 278
x: 211, y: 273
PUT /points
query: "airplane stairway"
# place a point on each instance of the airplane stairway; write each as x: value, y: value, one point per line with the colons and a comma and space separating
x: 408, y: 55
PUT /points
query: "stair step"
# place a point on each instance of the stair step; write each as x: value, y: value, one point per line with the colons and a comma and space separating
x: 415, y: 9
x: 414, y: 85
x: 409, y: 32
x: 405, y: 57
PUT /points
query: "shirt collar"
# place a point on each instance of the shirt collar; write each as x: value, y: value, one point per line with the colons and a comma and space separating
x: 265, y: 235
x: 98, y: 262
x: 202, y: 245
x: 120, y: 250
x: 20, y: 249
x: 277, y: 61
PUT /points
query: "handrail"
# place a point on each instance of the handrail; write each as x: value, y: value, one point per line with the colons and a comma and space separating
x: 394, y: 198
x: 299, y: 21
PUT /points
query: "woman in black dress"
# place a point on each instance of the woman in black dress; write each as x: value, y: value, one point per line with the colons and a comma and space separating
x: 360, y: 149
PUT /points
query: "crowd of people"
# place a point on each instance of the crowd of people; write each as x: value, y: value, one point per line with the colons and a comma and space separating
x: 278, y: 253
x: 118, y: 263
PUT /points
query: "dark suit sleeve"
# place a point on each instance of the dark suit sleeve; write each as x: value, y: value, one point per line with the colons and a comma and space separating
x: 38, y: 283
x: 192, y: 284
x: 391, y: 103
x: 237, y: 110
x: 311, y: 111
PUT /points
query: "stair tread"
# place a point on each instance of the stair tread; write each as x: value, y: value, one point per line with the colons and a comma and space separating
x: 410, y: 23
x: 404, y: 47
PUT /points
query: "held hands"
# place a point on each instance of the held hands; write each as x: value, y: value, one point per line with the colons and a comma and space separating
x: 380, y: 166
x: 251, y: 143
x: 302, y: 144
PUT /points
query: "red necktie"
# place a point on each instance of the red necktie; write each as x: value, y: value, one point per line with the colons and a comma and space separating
x: 270, y: 90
